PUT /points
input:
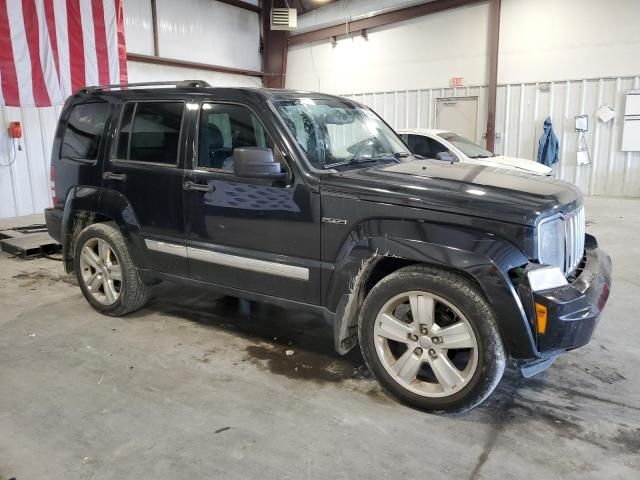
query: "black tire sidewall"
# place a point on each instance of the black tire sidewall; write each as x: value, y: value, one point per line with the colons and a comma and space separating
x: 459, y: 293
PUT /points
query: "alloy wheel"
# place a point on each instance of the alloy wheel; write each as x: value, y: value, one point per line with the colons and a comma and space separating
x: 101, y: 271
x: 426, y: 344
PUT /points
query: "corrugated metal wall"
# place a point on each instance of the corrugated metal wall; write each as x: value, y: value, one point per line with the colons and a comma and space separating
x: 521, y: 110
x: 24, y: 186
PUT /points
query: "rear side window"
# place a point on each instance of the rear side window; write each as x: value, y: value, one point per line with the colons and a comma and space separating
x: 84, y: 131
x: 150, y: 132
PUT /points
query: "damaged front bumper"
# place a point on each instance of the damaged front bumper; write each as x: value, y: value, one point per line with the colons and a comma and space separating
x: 565, y: 317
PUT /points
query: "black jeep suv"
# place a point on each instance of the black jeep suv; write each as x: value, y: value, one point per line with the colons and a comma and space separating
x: 439, y: 271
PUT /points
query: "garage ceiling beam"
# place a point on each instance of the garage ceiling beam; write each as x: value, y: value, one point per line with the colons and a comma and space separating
x: 494, y: 45
x: 241, y: 4
x: 154, y: 25
x: 274, y: 47
x: 379, y: 20
x: 172, y: 62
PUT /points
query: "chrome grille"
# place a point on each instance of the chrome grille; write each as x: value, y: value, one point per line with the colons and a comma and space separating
x: 574, y: 224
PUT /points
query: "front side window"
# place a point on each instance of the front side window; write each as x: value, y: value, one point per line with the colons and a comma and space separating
x: 333, y: 132
x: 223, y: 128
x: 150, y: 132
x: 425, y: 146
x: 84, y: 131
x: 466, y: 146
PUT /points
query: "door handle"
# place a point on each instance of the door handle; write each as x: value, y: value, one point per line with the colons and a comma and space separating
x: 200, y: 187
x: 120, y: 177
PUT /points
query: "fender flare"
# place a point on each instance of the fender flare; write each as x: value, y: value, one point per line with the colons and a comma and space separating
x: 479, y: 256
x: 91, y: 202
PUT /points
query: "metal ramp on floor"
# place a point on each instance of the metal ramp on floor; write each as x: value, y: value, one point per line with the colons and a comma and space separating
x: 28, y: 242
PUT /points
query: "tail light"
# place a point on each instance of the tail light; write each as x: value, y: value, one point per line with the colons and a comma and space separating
x: 52, y: 185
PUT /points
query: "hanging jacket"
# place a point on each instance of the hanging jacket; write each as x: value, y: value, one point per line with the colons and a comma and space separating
x: 548, y: 145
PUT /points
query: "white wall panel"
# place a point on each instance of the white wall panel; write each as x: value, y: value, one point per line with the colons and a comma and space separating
x: 146, y: 72
x: 521, y: 111
x: 24, y: 186
x: 209, y: 32
x: 545, y: 40
x: 424, y: 51
x: 540, y: 40
x: 138, y: 28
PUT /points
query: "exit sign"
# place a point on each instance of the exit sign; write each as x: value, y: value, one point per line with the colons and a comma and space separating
x: 456, y: 81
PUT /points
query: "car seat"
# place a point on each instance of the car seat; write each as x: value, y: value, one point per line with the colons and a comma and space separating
x: 212, y: 150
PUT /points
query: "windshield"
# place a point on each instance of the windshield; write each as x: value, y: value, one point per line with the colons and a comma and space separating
x: 465, y: 145
x: 336, y: 133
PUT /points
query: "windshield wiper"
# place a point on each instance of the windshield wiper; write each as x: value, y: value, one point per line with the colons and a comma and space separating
x: 375, y: 158
x: 350, y: 162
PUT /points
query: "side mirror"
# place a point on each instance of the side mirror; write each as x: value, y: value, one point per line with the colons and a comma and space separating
x: 256, y: 162
x: 446, y: 156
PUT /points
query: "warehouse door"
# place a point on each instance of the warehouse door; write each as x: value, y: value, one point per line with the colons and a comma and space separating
x: 459, y: 115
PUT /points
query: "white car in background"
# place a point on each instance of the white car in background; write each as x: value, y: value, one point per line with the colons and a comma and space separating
x: 451, y: 147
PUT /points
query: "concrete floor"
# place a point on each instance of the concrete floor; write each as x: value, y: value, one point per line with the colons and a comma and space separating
x: 199, y: 387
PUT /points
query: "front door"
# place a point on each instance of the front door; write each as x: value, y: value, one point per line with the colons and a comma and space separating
x: 146, y: 166
x: 258, y: 235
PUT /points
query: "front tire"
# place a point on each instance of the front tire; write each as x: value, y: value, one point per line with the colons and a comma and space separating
x: 430, y: 338
x: 106, y: 273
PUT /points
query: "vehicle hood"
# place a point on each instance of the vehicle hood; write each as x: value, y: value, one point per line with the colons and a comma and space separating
x: 474, y: 190
x: 513, y: 162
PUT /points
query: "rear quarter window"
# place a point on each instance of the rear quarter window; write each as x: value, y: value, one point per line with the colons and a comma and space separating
x: 84, y: 131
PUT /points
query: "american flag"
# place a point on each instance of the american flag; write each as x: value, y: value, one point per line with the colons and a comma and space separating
x: 50, y: 48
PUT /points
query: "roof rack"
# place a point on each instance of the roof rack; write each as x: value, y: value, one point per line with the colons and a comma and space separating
x: 178, y: 84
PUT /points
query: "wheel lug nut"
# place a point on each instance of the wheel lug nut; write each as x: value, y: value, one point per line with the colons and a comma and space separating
x: 418, y: 351
x: 424, y: 329
x: 436, y: 340
x: 413, y: 337
x: 433, y: 353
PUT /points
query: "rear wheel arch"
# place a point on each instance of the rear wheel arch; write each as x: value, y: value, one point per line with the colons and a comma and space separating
x: 85, y: 206
x: 77, y: 221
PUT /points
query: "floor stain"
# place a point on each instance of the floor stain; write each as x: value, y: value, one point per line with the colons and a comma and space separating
x: 605, y: 375
x: 272, y: 331
x: 303, y: 365
x: 512, y: 406
x: 43, y: 276
x: 629, y: 438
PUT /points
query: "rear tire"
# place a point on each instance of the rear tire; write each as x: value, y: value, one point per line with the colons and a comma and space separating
x: 431, y: 339
x: 106, y: 273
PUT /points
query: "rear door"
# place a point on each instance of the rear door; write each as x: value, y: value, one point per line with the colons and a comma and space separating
x: 146, y: 166
x: 258, y: 235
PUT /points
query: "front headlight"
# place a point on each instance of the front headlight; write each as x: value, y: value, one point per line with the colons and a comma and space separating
x: 551, y: 242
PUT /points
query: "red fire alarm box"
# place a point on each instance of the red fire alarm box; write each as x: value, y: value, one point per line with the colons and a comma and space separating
x: 15, y: 130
